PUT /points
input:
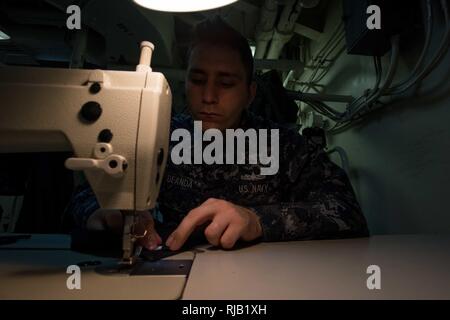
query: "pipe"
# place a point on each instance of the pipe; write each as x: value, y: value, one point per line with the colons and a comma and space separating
x: 285, y: 28
x: 288, y: 78
x: 303, y: 96
x: 343, y: 156
x: 265, y: 27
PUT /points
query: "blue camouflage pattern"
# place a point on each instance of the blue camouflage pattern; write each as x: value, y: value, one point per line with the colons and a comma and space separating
x: 309, y: 198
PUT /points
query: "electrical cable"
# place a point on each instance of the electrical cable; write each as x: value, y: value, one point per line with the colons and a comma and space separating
x: 370, y: 100
x: 443, y: 47
x: 425, y: 48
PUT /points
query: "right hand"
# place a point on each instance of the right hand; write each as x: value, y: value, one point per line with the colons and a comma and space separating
x: 112, y: 220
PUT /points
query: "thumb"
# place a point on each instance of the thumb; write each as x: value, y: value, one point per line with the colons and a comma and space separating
x: 151, y: 240
x: 146, y: 225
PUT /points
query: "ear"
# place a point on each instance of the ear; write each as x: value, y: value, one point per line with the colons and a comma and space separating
x: 252, y: 92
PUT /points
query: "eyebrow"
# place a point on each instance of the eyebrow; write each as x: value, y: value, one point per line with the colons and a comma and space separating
x: 220, y: 73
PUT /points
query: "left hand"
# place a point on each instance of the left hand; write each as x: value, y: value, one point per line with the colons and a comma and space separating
x: 229, y: 223
x: 105, y: 219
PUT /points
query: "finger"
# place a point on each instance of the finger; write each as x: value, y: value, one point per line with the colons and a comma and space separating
x: 151, y: 240
x: 194, y: 218
x: 145, y: 225
x: 113, y: 220
x: 209, y: 201
x: 230, y: 236
x: 216, y: 228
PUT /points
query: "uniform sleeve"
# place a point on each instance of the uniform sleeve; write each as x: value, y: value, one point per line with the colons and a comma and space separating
x: 319, y: 200
x: 82, y: 204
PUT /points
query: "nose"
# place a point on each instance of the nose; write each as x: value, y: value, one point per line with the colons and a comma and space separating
x: 210, y: 94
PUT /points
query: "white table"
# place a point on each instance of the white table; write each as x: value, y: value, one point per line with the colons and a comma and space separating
x: 412, y: 267
x: 36, y: 268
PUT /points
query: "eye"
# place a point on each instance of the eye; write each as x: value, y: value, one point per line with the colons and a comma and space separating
x: 227, y: 84
x: 197, y: 81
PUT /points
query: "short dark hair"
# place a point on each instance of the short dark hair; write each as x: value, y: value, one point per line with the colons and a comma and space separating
x: 215, y: 31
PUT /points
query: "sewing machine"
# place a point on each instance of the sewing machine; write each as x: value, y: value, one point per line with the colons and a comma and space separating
x: 116, y: 123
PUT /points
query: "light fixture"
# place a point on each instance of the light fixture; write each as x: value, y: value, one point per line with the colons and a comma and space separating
x: 4, y: 36
x: 253, y: 48
x: 183, y: 5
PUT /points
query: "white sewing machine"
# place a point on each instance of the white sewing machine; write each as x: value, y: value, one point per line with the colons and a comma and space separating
x: 116, y: 123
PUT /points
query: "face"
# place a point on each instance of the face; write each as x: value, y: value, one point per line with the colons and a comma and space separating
x: 217, y: 89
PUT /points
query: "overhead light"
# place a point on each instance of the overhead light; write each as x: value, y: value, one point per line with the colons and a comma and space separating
x: 183, y: 5
x: 4, y: 36
x: 253, y: 48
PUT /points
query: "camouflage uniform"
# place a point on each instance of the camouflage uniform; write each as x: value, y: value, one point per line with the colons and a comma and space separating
x: 309, y: 198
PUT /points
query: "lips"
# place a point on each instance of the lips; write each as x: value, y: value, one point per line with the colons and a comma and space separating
x: 209, y: 115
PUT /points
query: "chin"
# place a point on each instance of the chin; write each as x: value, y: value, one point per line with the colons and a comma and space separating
x: 210, y: 125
